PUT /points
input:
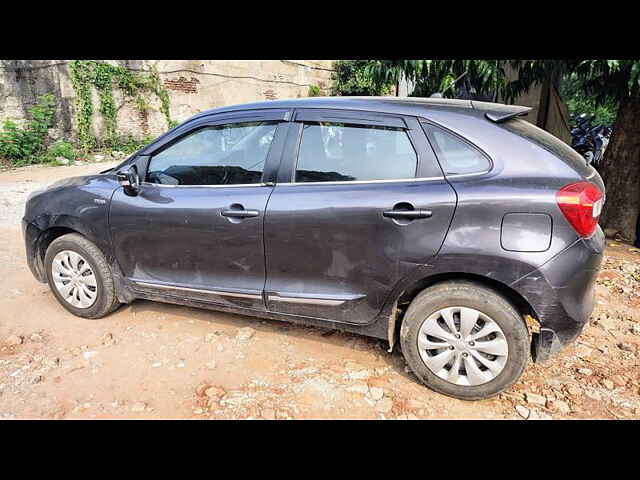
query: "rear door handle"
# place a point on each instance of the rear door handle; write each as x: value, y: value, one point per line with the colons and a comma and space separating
x: 407, y: 214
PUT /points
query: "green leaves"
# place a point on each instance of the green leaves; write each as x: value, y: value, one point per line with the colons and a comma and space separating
x: 103, y: 76
x: 605, y: 80
x: 352, y: 77
x: 24, y: 145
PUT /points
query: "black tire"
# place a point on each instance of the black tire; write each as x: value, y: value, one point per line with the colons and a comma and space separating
x: 485, y: 300
x: 106, y: 300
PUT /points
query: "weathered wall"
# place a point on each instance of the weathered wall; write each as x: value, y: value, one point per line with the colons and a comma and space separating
x: 193, y: 86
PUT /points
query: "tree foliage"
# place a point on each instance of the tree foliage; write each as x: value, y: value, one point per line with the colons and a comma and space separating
x: 351, y: 78
x: 578, y: 102
x: 26, y: 144
x: 486, y: 77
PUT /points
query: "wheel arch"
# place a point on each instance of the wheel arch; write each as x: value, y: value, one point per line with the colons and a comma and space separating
x: 45, y: 238
x: 405, y: 297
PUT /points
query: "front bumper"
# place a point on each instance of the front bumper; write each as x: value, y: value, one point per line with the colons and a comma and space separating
x: 561, y: 293
x: 32, y: 236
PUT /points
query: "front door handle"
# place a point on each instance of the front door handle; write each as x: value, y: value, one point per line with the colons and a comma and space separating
x: 407, y: 214
x: 240, y: 213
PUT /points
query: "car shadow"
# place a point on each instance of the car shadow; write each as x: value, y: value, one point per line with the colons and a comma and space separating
x: 323, y: 336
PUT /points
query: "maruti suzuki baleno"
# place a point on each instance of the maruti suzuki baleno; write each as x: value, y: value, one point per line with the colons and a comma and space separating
x: 449, y: 227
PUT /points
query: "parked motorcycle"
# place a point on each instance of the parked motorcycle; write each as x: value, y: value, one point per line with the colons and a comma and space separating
x: 588, y: 140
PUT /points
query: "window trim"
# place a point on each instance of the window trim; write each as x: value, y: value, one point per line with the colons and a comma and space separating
x: 428, y: 126
x: 228, y: 120
x: 355, y: 117
x: 174, y: 135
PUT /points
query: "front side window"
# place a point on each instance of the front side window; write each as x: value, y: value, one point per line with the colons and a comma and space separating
x: 228, y: 154
x: 457, y: 156
x: 337, y: 152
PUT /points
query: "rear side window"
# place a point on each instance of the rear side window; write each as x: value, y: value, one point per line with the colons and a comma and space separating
x: 457, y: 156
x: 337, y: 152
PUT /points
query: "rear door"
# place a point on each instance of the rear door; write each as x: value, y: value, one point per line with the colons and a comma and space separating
x: 196, y: 227
x: 360, y: 202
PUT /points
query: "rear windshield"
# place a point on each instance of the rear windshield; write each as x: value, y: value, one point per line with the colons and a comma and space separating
x: 548, y: 142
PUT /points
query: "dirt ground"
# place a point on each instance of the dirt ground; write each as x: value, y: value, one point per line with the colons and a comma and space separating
x: 153, y: 361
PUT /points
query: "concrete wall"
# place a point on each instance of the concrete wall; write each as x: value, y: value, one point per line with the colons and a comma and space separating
x: 193, y: 86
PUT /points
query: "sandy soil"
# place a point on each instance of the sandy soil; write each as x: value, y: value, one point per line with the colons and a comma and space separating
x: 150, y: 360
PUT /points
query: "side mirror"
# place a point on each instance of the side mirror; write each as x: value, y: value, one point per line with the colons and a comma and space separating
x: 130, y: 180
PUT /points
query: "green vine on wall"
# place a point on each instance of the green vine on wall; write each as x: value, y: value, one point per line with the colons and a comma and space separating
x: 103, y: 76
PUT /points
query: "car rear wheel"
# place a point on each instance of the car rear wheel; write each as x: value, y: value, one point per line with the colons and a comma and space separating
x: 464, y: 340
x: 79, y: 276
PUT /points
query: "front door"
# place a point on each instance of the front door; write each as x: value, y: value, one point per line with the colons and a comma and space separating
x: 360, y: 202
x: 196, y: 227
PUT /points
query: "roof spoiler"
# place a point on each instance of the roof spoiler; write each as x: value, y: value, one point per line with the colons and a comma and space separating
x: 500, y: 117
x: 498, y: 112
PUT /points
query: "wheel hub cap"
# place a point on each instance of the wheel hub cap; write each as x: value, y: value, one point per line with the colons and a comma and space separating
x: 74, y: 279
x: 463, y: 346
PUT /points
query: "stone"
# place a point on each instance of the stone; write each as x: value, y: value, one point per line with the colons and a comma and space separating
x: 535, y: 399
x: 36, y: 337
x: 245, y: 333
x: 619, y: 380
x: 359, y: 375
x: 138, y: 407
x: 215, y: 392
x: 98, y: 158
x: 522, y: 411
x: 304, y: 372
x: 107, y: 339
x: 583, y: 351
x: 14, y: 340
x: 559, y: 406
x: 384, y: 406
x: 610, y: 232
x: 608, y: 384
x: 538, y: 415
x: 585, y: 371
x: 610, y: 275
x: 62, y: 161
x: 200, y: 389
x: 210, y: 338
x: 607, y: 322
x: 362, y: 388
x: 376, y: 393
x: 89, y: 355
x: 627, y: 347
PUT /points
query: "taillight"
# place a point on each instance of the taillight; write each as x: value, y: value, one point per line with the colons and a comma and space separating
x: 581, y: 203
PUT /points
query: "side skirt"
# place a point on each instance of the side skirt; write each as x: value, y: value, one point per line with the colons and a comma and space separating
x: 376, y: 329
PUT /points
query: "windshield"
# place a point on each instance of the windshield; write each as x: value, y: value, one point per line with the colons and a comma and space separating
x: 548, y: 142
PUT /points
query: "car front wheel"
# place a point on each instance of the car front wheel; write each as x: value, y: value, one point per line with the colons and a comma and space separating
x: 79, y: 276
x: 464, y: 340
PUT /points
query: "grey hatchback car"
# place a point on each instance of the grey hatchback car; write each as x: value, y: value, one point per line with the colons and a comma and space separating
x: 453, y: 228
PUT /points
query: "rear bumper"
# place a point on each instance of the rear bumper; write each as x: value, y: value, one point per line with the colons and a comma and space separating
x: 562, y: 294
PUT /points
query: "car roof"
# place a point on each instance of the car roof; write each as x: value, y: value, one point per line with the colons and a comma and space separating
x: 415, y: 106
x: 398, y: 105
